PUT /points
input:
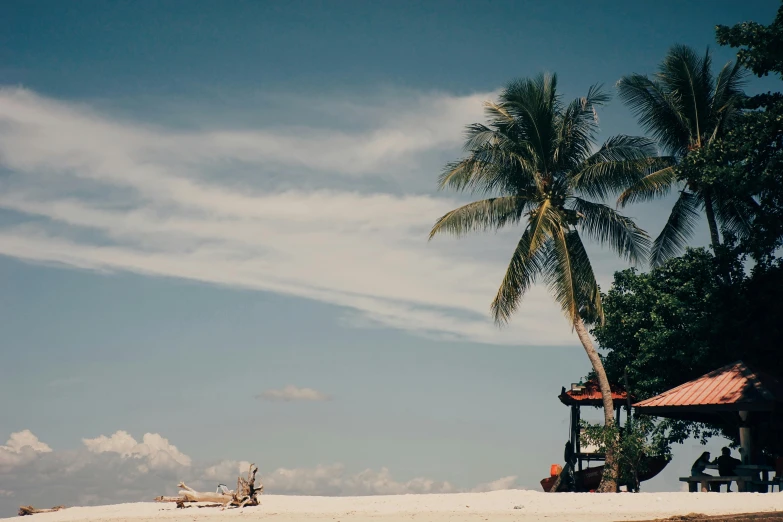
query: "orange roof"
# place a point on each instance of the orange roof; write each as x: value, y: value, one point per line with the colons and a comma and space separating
x: 732, y: 388
x: 590, y: 395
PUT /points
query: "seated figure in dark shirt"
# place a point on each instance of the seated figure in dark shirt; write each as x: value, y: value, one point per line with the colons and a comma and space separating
x: 727, y: 465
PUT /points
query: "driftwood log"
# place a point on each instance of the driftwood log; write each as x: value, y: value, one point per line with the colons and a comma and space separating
x: 30, y: 510
x: 246, y: 493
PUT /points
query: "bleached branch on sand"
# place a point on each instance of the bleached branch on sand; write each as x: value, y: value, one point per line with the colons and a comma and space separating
x: 30, y: 510
x: 246, y: 493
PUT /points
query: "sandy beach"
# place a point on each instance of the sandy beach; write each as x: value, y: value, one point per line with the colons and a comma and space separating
x: 518, y: 505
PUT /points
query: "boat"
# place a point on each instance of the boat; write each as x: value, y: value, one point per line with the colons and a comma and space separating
x: 587, y: 478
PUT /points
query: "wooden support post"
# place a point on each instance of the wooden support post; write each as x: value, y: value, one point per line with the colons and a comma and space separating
x: 578, y: 432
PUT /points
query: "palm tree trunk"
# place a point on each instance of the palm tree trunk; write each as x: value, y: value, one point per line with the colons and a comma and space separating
x: 611, y: 468
x: 711, y: 221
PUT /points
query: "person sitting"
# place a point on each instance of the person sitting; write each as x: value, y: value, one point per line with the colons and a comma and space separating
x: 727, y: 466
x: 697, y: 470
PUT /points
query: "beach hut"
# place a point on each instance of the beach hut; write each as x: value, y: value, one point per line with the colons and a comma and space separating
x: 735, y: 396
x: 738, y: 398
x: 586, y: 477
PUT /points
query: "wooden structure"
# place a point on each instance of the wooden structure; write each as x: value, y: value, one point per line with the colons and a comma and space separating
x: 734, y: 397
x: 588, y: 478
x: 738, y: 398
x: 589, y: 394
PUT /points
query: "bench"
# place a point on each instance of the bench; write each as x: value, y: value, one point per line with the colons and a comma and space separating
x: 766, y: 483
x: 704, y: 481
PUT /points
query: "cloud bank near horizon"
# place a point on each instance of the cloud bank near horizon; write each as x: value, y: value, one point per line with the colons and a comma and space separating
x: 319, y: 213
x: 117, y: 468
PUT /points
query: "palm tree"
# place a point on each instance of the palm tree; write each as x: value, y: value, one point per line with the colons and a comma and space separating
x: 685, y: 108
x: 536, y: 156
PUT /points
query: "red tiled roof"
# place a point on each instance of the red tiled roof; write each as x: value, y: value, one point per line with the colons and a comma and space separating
x: 733, y: 384
x: 591, y: 395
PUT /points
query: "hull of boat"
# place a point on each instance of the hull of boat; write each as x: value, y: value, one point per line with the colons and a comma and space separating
x: 588, y: 479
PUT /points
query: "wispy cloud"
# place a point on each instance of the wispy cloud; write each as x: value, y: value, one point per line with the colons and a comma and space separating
x: 293, y: 393
x: 96, y: 192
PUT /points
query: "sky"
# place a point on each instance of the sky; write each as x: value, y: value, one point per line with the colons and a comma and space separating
x: 213, y: 242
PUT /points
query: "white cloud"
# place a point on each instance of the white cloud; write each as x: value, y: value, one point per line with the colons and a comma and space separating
x: 333, y: 480
x: 106, y: 470
x: 25, y: 439
x: 504, y: 483
x: 98, y: 193
x: 292, y: 393
x: 226, y: 470
x: 155, y: 450
x: 21, y: 448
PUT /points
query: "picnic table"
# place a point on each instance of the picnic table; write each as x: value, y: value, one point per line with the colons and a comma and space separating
x: 747, y: 474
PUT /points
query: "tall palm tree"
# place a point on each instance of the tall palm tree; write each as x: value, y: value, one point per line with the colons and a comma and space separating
x: 685, y: 108
x: 537, y: 156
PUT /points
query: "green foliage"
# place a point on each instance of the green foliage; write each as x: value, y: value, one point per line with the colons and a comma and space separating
x: 681, y: 320
x: 761, y: 46
x: 643, y: 437
x: 745, y: 171
x: 536, y: 157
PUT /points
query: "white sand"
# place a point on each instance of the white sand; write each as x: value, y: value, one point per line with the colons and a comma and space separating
x: 498, y: 505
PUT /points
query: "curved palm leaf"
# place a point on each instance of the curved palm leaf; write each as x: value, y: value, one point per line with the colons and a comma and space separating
x: 735, y: 215
x: 526, y: 264
x: 620, y: 162
x: 569, y: 275
x: 486, y: 214
x: 488, y: 170
x: 687, y: 75
x: 652, y: 186
x: 679, y: 227
x: 605, y: 225
x: 727, y: 97
x: 658, y: 111
x: 591, y: 306
x: 576, y: 129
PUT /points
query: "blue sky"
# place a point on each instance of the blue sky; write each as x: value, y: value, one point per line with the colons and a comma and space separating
x: 208, y: 207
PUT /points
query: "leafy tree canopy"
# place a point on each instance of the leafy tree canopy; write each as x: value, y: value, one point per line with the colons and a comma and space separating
x: 680, y: 321
x: 748, y: 163
x: 761, y: 47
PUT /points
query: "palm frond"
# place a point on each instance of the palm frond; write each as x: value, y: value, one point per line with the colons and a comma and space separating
x: 533, y: 104
x: 606, y: 226
x: 570, y: 276
x: 727, y: 97
x: 559, y: 273
x: 658, y: 111
x: 589, y: 296
x: 619, y: 163
x: 486, y: 214
x: 652, y: 186
x: 478, y: 135
x: 526, y: 264
x: 679, y: 227
x: 686, y: 74
x: 492, y: 168
x: 576, y: 128
x: 735, y: 214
